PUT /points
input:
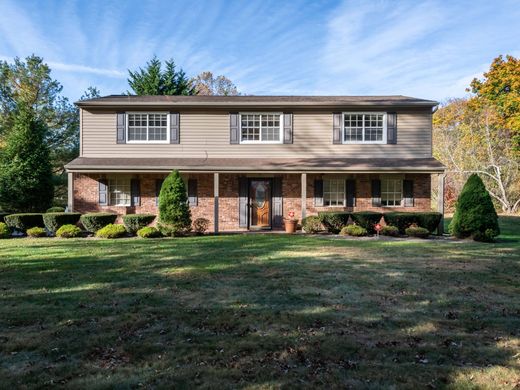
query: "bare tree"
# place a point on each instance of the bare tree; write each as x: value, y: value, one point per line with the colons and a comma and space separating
x: 207, y: 84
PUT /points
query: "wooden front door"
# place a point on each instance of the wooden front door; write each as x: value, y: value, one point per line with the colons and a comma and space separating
x: 260, y: 200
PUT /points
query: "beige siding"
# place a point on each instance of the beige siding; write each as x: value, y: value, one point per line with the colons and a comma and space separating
x: 206, y: 133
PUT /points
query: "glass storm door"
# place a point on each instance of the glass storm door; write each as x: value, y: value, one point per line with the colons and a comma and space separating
x: 260, y: 198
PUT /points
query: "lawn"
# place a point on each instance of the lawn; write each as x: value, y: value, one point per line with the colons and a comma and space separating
x: 260, y: 311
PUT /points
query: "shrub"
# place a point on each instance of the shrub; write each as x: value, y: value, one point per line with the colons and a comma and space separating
x: 475, y: 213
x: 4, y: 231
x: 95, y: 221
x: 36, y: 232
x: 367, y: 219
x: 111, y: 231
x: 414, y: 231
x: 22, y: 222
x: 334, y: 221
x: 148, y: 232
x: 68, y: 231
x: 2, y: 216
x: 53, y: 221
x: 487, y: 236
x: 312, y: 224
x: 429, y: 220
x: 174, y: 211
x: 390, y: 231
x: 201, y: 225
x: 354, y: 230
x: 56, y: 209
x: 134, y: 222
x: 401, y: 220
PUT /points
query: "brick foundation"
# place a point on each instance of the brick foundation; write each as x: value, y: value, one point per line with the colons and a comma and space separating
x: 86, y: 195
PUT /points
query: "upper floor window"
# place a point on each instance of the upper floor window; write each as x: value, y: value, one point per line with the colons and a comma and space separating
x: 148, y: 127
x: 364, y: 127
x: 261, y: 128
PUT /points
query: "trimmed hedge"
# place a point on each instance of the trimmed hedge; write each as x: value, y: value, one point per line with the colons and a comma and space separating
x: 334, y: 221
x: 201, y: 225
x: 4, y: 231
x: 68, y: 231
x: 36, y: 232
x: 95, y: 221
x: 111, y: 231
x: 417, y: 232
x: 134, y: 222
x: 56, y: 209
x: 25, y: 221
x: 390, y: 231
x: 312, y: 224
x: 53, y: 221
x: 148, y: 232
x: 354, y: 230
x: 403, y: 220
x: 367, y: 219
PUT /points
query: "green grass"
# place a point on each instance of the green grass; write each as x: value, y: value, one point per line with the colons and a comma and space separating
x: 260, y: 311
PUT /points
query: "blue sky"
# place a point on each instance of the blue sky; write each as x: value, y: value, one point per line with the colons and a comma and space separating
x: 429, y: 49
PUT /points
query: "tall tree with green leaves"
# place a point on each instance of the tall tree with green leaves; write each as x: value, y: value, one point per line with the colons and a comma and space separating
x: 25, y: 168
x: 153, y: 80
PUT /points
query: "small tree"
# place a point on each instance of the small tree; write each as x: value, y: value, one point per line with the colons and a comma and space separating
x: 475, y: 215
x: 174, y: 210
x: 25, y: 169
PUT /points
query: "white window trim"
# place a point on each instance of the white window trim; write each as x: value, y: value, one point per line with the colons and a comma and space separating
x: 148, y: 142
x: 394, y: 177
x: 280, y: 141
x: 383, y: 141
x: 109, y: 192
x: 344, y: 192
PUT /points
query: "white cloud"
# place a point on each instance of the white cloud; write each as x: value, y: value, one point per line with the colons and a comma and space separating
x: 75, y: 68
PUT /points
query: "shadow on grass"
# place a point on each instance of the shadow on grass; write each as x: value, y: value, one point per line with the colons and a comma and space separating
x: 233, y: 311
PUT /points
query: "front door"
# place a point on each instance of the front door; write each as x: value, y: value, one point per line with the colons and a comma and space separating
x: 260, y: 198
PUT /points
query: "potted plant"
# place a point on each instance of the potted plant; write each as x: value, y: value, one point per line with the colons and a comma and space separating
x: 290, y: 222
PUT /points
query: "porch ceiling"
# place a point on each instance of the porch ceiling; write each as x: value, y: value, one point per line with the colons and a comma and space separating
x: 296, y: 165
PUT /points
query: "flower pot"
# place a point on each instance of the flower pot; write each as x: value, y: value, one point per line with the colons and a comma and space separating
x: 290, y: 226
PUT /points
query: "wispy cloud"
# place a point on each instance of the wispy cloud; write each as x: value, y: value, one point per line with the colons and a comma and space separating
x: 75, y: 68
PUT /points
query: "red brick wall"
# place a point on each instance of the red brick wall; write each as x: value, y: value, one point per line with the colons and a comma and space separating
x: 86, y: 196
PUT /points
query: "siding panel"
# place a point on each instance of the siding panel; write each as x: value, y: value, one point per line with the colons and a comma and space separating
x: 206, y: 133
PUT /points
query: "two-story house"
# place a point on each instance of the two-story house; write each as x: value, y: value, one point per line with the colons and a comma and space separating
x: 249, y: 160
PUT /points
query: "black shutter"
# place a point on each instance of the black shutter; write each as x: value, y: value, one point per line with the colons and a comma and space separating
x: 288, y: 128
x: 277, y: 202
x: 192, y: 192
x: 174, y: 128
x: 408, y: 193
x: 121, y: 128
x: 135, y: 192
x: 391, y: 128
x: 336, y: 127
x: 242, y: 201
x: 376, y: 193
x: 351, y: 192
x: 158, y: 185
x: 234, y: 128
x: 103, y: 192
x: 318, y: 192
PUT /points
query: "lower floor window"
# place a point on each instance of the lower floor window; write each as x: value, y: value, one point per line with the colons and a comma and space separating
x: 119, y: 191
x: 334, y: 192
x: 391, y: 192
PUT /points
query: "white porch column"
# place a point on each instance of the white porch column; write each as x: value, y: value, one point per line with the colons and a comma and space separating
x: 215, y: 194
x: 70, y: 192
x: 304, y: 195
x: 440, y: 202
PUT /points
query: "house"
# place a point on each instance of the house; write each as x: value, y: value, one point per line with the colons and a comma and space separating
x: 249, y: 160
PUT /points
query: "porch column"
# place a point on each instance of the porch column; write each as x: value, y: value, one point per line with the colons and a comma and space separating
x: 70, y: 192
x: 215, y: 193
x: 440, y: 202
x: 304, y: 195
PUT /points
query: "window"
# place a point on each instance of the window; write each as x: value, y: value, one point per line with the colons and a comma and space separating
x: 334, y: 192
x: 261, y: 128
x: 391, y: 191
x: 144, y: 127
x: 359, y: 127
x: 119, y: 191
